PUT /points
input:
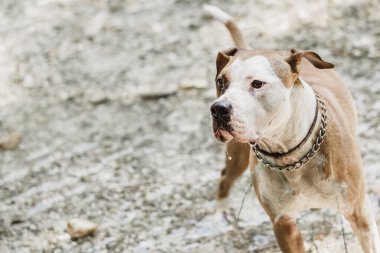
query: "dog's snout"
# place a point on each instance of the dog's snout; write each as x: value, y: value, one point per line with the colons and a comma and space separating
x: 221, y: 108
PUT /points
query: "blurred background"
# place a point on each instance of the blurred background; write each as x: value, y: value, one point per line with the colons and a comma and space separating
x: 104, y: 116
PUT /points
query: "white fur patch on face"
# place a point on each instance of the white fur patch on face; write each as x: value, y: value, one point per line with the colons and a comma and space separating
x: 254, y: 109
x: 257, y: 67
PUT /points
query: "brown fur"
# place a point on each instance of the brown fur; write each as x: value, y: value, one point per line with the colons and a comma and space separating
x: 287, y: 234
x: 236, y: 34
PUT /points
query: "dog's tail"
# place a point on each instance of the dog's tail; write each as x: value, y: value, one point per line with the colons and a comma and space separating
x: 226, y: 19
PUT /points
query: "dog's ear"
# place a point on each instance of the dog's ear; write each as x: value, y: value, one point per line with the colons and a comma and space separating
x: 317, y: 61
x: 224, y: 57
x: 294, y: 60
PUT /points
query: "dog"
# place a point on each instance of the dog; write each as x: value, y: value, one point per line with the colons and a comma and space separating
x: 289, y: 116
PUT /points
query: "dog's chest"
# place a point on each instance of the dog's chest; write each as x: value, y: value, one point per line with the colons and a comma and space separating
x: 291, y: 192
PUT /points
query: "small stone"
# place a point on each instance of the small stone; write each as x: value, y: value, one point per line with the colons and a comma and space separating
x: 155, y: 94
x: 98, y: 98
x: 193, y: 84
x: 63, y: 238
x: 10, y: 141
x: 78, y: 228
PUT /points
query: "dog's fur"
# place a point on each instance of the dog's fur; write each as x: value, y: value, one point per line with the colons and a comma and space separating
x: 278, y: 116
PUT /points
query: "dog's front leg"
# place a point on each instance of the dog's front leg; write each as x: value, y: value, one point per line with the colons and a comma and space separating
x: 237, y: 159
x: 276, y: 199
x: 287, y: 234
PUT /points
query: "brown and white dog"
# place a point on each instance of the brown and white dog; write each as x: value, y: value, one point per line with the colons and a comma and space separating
x: 267, y: 100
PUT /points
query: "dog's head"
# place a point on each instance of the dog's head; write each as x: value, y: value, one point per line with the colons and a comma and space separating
x: 254, y: 89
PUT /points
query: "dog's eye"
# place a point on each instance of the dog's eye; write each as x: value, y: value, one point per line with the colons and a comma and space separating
x: 219, y: 84
x: 256, y: 84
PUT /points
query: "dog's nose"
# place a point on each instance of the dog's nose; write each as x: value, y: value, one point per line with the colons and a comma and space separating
x: 221, y: 108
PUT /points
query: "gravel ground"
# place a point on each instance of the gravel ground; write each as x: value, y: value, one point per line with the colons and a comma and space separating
x: 75, y: 79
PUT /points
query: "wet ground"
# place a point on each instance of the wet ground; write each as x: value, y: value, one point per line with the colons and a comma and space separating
x: 72, y: 78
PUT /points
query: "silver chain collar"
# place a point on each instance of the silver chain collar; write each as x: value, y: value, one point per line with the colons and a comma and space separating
x: 316, y: 145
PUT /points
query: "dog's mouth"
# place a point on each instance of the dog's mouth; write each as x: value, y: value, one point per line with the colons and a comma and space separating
x: 223, y: 135
x: 222, y: 131
x: 226, y: 134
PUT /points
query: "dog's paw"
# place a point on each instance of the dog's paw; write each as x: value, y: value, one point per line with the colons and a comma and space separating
x: 223, y: 205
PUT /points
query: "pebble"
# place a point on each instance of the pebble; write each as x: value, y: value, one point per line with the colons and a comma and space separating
x: 193, y: 84
x: 98, y: 98
x: 155, y: 94
x: 10, y: 141
x: 78, y: 228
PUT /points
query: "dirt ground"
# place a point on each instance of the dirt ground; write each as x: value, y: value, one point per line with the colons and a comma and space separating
x: 72, y: 77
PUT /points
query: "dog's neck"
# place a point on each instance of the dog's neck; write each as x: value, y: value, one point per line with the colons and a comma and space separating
x: 293, y: 123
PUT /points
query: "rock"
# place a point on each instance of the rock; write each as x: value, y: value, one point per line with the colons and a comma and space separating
x: 10, y: 141
x: 98, y: 98
x: 78, y: 228
x: 193, y: 84
x: 155, y: 94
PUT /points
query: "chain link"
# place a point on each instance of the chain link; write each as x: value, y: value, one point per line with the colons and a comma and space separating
x: 316, y: 145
